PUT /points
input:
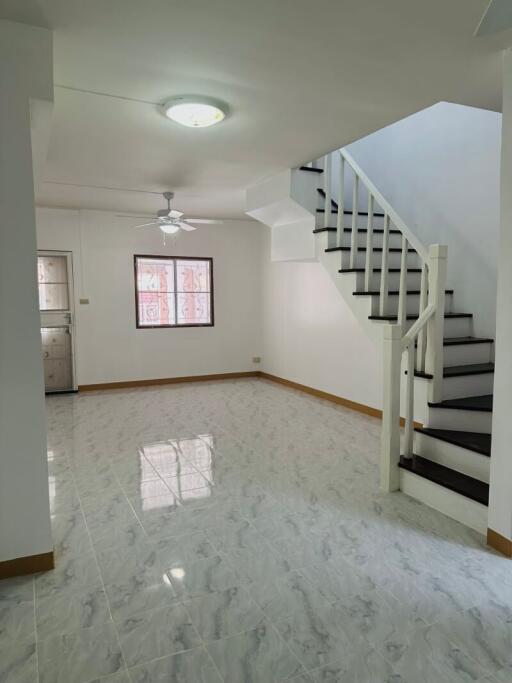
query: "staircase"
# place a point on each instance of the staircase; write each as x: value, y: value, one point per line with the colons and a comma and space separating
x: 444, y: 387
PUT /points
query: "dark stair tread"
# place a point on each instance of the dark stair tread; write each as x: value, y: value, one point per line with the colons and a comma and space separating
x: 334, y: 205
x: 377, y: 270
x: 393, y: 249
x: 349, y: 213
x: 376, y: 292
x: 414, y: 316
x: 311, y: 169
x: 456, y: 341
x: 477, y: 403
x: 380, y: 231
x: 317, y: 230
x: 460, y: 370
x: 473, y: 441
x: 454, y: 481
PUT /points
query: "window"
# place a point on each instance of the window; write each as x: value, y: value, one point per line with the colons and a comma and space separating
x: 173, y: 291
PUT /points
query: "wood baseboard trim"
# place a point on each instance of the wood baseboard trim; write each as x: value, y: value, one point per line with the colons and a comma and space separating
x: 500, y: 543
x: 339, y: 400
x: 165, y: 380
x: 353, y: 405
x: 27, y: 565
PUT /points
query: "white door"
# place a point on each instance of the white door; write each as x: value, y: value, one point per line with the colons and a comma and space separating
x: 55, y: 282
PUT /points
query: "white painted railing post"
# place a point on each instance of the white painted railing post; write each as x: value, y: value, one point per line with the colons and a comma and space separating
x: 355, y: 216
x: 369, y: 246
x: 409, y: 402
x: 422, y: 335
x: 327, y: 191
x: 383, y: 298
x: 390, y: 437
x: 437, y: 266
x: 341, y: 203
x: 402, y: 290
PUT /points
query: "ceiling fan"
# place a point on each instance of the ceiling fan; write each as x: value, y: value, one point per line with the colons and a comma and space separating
x: 497, y: 17
x: 171, y: 221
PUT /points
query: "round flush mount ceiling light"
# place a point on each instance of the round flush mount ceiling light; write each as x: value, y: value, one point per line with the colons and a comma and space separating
x: 195, y: 112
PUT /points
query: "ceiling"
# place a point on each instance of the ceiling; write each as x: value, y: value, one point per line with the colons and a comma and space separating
x: 300, y: 77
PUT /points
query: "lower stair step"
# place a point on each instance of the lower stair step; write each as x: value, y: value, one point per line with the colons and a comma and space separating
x: 394, y: 318
x: 473, y: 441
x: 450, y: 479
x: 477, y: 403
x: 460, y: 370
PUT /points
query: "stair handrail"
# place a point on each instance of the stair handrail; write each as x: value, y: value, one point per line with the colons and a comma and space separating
x: 423, y: 342
x: 396, y: 219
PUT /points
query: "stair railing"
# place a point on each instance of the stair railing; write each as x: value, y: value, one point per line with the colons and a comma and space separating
x: 423, y: 341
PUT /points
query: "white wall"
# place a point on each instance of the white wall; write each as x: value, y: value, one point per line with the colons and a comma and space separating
x: 25, y: 73
x: 500, y: 498
x: 311, y: 336
x: 440, y: 169
x: 109, y: 347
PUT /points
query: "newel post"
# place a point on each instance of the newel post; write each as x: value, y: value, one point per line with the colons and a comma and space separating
x: 390, y: 436
x: 437, y: 267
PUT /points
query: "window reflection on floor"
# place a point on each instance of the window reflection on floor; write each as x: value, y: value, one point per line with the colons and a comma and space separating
x: 183, y: 467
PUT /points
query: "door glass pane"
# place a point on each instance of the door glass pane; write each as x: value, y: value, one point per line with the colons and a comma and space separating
x: 52, y: 276
x: 57, y: 358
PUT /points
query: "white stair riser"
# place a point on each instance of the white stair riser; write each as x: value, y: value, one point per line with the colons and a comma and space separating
x: 451, y: 504
x: 460, y: 420
x: 453, y: 327
x: 454, y: 457
x: 466, y: 354
x: 468, y: 385
x: 413, y: 281
x: 394, y: 259
x: 395, y: 241
x: 413, y: 304
x: 362, y: 221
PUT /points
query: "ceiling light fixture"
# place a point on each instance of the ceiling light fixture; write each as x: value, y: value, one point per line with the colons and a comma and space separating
x: 195, y: 112
x: 170, y: 228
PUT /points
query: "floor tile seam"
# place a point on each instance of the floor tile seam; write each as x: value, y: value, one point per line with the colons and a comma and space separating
x: 35, y: 629
x: 112, y: 621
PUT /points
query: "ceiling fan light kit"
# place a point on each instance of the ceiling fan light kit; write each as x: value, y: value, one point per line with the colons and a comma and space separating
x: 195, y: 111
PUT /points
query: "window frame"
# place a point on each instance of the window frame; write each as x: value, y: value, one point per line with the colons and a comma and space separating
x: 165, y: 257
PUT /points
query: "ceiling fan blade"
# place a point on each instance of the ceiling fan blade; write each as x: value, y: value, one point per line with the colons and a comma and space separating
x: 144, y: 225
x: 173, y: 213
x: 186, y: 226
x: 497, y: 17
x: 202, y: 220
x: 134, y: 215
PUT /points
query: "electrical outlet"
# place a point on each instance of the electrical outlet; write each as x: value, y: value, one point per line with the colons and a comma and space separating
x: 256, y: 359
x: 84, y: 301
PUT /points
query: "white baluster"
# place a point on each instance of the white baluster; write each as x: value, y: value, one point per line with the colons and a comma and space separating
x: 369, y: 245
x: 422, y: 336
x: 341, y: 203
x: 402, y: 292
x: 437, y: 260
x: 383, y: 299
x: 355, y: 213
x: 409, y: 403
x: 390, y: 435
x: 327, y: 190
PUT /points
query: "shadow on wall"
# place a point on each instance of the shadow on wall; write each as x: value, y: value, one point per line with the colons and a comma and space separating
x: 440, y: 169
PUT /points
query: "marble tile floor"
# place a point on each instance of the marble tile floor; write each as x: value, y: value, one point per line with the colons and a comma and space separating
x: 234, y: 532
